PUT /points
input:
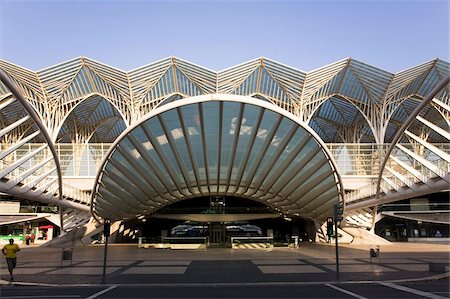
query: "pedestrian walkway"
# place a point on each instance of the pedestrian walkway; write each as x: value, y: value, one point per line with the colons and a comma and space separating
x: 127, y: 264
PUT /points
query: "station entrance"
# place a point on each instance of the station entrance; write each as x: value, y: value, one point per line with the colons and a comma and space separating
x: 219, y: 221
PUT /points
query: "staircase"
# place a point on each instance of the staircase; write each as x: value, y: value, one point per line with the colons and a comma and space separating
x: 413, y: 169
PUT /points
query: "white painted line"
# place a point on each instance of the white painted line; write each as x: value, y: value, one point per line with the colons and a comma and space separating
x: 34, y: 284
x: 345, y: 291
x: 289, y: 269
x: 101, y: 292
x: 155, y: 270
x: 293, y: 283
x: 165, y: 263
x: 43, y: 296
x: 277, y: 262
x: 4, y: 282
x: 409, y: 290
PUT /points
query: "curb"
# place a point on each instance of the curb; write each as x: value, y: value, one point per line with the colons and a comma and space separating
x: 233, y: 284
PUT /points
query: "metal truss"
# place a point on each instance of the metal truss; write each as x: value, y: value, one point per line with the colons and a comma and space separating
x: 82, y: 101
x: 31, y: 172
x: 411, y: 170
x: 332, y: 99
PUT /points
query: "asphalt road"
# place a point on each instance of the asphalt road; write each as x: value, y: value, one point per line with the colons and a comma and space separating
x: 433, y: 289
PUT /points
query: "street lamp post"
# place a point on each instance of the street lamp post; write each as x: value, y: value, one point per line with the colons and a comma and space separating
x: 106, y: 232
x: 338, y: 211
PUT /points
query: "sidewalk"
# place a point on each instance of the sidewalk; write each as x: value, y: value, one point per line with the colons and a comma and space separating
x: 128, y: 264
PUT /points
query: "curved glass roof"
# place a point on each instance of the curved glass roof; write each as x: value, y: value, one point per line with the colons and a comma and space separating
x: 217, y: 145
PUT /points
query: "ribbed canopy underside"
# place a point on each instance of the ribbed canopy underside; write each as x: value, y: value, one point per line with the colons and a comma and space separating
x: 217, y: 145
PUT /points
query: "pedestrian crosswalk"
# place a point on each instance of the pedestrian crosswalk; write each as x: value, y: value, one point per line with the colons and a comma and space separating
x: 180, y: 267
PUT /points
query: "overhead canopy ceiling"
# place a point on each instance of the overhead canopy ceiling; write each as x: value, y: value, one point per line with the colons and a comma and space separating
x: 217, y: 145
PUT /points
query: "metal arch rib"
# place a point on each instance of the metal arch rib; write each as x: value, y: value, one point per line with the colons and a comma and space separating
x: 234, y: 145
x: 258, y: 159
x: 187, y: 140
x: 136, y: 166
x: 175, y: 152
x: 204, y: 149
x: 275, y: 157
x: 405, y: 126
x: 15, y: 91
x: 159, y: 151
x: 248, y: 151
x: 148, y: 160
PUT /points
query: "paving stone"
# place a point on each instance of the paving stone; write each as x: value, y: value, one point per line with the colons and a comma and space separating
x: 360, y: 268
x: 40, y: 264
x: 165, y: 263
x: 155, y: 270
x: 394, y: 261
x: 108, y: 263
x: 4, y: 271
x: 333, y: 261
x: 277, y: 262
x: 412, y: 267
x: 84, y: 270
x: 289, y: 269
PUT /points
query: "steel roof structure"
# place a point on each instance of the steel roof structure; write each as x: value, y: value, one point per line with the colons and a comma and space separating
x: 84, y: 101
x: 346, y: 101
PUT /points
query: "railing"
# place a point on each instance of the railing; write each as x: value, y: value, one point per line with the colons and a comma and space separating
x: 240, y: 242
x: 363, y: 192
x: 68, y: 190
x: 416, y: 207
x: 76, y: 194
x: 185, y: 242
x: 396, y: 175
x: 79, y: 160
x: 357, y: 158
x: 39, y: 209
x: 83, y: 160
x: 215, y: 210
x: 23, y: 168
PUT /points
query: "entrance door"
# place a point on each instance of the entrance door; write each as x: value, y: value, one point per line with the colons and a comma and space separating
x: 217, y: 235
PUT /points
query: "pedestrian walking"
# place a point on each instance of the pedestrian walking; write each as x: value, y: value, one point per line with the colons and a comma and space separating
x: 10, y: 251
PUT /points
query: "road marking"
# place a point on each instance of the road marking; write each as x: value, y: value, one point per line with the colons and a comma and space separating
x: 345, y: 291
x: 101, y: 292
x: 409, y: 290
x: 43, y: 296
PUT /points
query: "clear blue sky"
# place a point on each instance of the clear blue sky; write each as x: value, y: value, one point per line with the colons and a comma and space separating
x: 392, y: 35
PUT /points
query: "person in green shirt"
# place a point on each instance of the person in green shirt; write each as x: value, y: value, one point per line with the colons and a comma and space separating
x: 10, y: 251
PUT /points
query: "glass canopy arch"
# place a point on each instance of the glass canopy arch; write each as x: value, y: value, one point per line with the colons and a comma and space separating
x: 217, y: 145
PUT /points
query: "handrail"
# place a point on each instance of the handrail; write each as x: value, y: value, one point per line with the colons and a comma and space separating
x: 250, y: 238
